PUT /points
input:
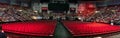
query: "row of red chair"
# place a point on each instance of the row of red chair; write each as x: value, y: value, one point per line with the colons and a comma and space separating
x: 46, y: 28
x: 37, y: 28
x: 86, y: 29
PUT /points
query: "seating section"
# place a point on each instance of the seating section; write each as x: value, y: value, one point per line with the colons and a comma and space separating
x: 35, y: 28
x: 47, y: 27
x: 86, y: 29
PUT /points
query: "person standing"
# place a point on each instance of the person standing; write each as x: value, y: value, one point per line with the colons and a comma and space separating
x: 2, y: 34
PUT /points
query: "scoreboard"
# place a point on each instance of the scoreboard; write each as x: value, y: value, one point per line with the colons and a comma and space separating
x: 58, y: 6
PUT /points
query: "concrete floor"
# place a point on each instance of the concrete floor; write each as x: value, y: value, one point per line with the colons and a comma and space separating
x: 61, y: 31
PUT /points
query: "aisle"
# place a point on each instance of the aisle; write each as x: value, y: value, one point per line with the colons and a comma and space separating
x: 61, y: 32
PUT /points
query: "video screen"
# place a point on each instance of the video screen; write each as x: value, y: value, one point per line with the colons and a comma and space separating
x: 58, y: 6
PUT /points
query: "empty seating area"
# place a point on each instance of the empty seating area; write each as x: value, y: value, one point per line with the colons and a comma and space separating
x: 34, y: 28
x: 46, y: 29
x: 89, y: 29
x: 59, y: 18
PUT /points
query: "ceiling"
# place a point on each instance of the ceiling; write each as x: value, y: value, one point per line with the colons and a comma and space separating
x: 50, y: 0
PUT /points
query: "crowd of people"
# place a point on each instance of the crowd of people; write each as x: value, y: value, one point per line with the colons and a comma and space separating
x: 103, y: 14
x: 106, y: 14
x: 12, y: 14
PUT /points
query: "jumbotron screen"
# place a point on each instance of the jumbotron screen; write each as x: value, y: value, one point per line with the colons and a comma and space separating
x: 58, y: 6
